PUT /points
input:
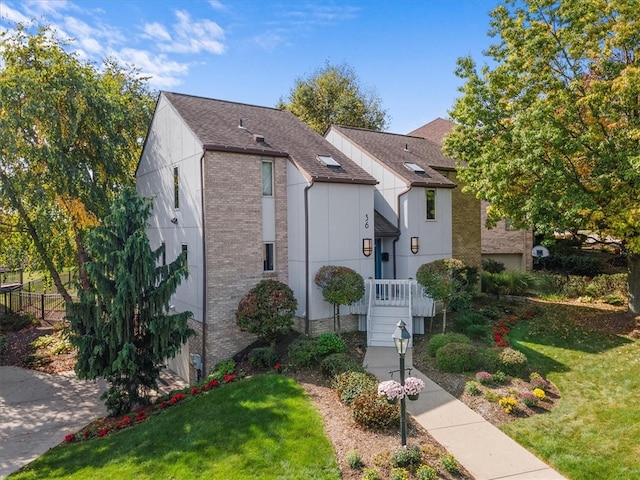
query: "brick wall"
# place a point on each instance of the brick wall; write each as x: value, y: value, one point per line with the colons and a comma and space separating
x: 502, y: 241
x: 233, y: 239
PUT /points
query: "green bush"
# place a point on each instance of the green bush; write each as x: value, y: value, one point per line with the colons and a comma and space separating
x: 354, y: 460
x: 349, y: 385
x: 441, y: 339
x: 465, y: 319
x: 223, y: 368
x: 267, y: 310
x: 303, y: 352
x: 450, y: 463
x: 372, y: 411
x: 492, y: 266
x: 510, y: 282
x: 457, y: 357
x: 329, y: 343
x: 13, y: 322
x: 472, y: 387
x: 371, y: 474
x: 489, y: 359
x: 406, y: 457
x: 398, y: 473
x: 262, y: 357
x: 478, y: 332
x: 512, y: 361
x: 426, y: 472
x: 338, y: 363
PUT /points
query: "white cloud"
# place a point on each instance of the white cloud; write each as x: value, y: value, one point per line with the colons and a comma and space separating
x: 163, y: 71
x: 157, y: 31
x: 8, y: 14
x: 217, y: 5
x: 194, y: 36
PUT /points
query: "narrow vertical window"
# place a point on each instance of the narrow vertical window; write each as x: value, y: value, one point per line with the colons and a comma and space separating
x: 431, y: 204
x: 186, y: 253
x: 164, y: 254
x: 176, y: 188
x: 268, y: 257
x: 267, y: 178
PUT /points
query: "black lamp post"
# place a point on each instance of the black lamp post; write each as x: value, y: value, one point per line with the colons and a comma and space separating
x: 401, y: 338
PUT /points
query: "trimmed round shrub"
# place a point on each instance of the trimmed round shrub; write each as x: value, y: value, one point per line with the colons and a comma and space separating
x: 338, y: 363
x: 457, y: 357
x: 262, y: 357
x: 477, y: 332
x: 329, y: 343
x: 349, y: 385
x: 303, y: 352
x: 373, y: 411
x: 267, y: 310
x: 441, y: 339
x: 489, y: 359
x: 512, y: 362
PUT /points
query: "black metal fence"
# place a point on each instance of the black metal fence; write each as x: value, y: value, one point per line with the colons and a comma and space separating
x: 41, y: 305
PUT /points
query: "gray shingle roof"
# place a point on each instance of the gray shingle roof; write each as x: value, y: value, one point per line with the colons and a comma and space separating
x: 435, y: 130
x: 394, y: 151
x: 265, y: 131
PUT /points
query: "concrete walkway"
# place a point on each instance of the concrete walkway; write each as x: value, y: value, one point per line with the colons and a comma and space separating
x: 486, y: 452
x: 38, y: 409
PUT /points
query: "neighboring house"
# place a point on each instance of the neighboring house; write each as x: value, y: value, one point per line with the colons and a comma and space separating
x: 501, y: 243
x: 250, y: 193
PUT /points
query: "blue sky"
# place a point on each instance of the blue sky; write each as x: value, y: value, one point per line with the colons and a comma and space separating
x: 252, y: 51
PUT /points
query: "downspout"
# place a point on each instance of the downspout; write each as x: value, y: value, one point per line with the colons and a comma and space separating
x: 307, y: 292
x: 204, y: 269
x: 399, y: 230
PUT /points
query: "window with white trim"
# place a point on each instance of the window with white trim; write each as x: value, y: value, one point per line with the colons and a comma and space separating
x: 176, y: 188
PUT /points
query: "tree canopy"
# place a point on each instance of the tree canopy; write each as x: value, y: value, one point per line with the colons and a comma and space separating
x: 334, y: 95
x: 70, y: 137
x: 549, y: 131
x: 340, y: 286
x: 122, y: 325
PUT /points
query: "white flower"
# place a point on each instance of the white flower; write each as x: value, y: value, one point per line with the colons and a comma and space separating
x: 413, y: 386
x: 391, y: 389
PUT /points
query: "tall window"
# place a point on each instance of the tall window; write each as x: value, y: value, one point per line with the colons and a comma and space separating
x: 186, y: 253
x: 268, y: 257
x: 176, y: 188
x: 164, y: 254
x: 267, y: 178
x: 431, y: 204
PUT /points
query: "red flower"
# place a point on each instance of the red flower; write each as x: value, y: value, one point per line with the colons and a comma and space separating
x: 69, y: 438
x: 163, y: 405
x: 229, y: 377
x: 103, y: 432
x: 86, y: 433
x: 176, y: 398
x: 278, y: 367
x: 126, y: 421
x: 213, y: 383
x: 195, y: 391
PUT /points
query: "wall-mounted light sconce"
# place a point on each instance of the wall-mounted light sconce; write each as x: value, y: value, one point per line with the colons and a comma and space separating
x: 174, y: 220
x: 415, y: 245
x: 367, y: 246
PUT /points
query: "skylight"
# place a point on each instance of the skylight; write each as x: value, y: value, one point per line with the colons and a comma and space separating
x: 414, y: 168
x: 328, y: 160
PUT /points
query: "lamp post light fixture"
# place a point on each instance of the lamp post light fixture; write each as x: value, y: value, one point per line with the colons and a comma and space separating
x: 401, y: 338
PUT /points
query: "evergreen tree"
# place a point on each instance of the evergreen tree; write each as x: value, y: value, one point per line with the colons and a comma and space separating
x: 121, y: 325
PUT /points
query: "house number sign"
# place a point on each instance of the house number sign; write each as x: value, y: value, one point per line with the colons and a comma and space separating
x: 366, y: 220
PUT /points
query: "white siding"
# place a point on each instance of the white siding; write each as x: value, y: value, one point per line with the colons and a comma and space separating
x: 170, y: 143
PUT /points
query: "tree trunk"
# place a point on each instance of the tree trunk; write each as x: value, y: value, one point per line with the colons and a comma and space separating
x: 444, y: 318
x: 634, y: 283
x: 338, y: 319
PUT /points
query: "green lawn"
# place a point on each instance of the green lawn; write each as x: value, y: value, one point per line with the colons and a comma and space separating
x: 594, y: 432
x: 262, y: 427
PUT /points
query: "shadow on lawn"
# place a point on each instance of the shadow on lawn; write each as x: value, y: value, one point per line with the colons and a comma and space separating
x: 222, y: 423
x: 571, y: 327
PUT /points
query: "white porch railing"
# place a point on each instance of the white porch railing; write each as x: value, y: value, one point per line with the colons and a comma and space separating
x: 394, y: 293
